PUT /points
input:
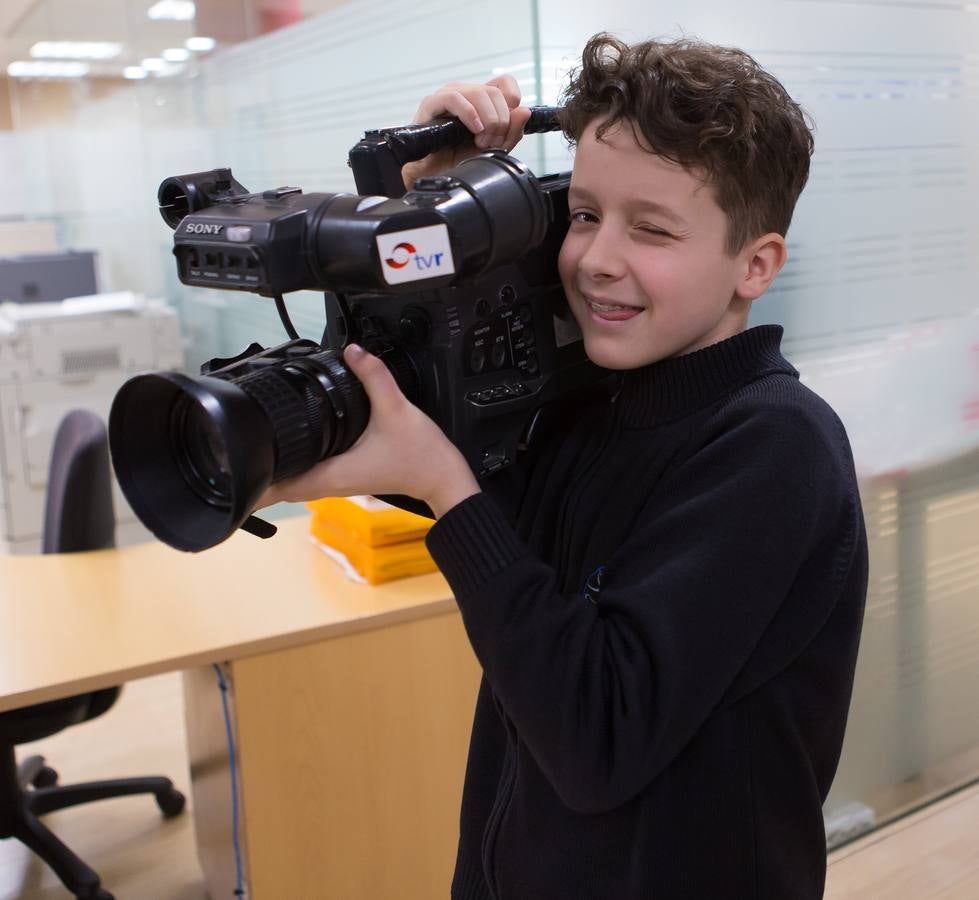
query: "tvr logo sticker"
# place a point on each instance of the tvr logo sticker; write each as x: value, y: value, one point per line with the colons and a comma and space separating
x: 415, y: 254
x: 401, y: 255
x: 406, y: 253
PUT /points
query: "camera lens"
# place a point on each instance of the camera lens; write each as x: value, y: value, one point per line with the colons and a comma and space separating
x: 199, y: 449
x: 194, y: 455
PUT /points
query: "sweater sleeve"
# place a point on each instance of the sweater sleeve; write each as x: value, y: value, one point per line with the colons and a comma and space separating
x: 605, y: 695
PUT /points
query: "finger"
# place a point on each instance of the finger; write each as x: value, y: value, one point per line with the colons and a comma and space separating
x: 382, y: 390
x: 449, y: 101
x: 493, y: 113
x: 508, y: 87
x: 496, y: 135
x: 518, y: 120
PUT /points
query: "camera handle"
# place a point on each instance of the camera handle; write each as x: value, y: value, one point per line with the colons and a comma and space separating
x: 377, y: 159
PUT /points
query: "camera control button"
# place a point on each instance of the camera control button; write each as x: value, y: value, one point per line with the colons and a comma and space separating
x: 498, y: 358
x: 493, y: 458
x: 525, y: 314
x: 425, y: 199
x: 477, y: 359
x: 435, y: 183
x: 483, y: 308
x: 238, y: 234
x: 533, y: 366
x: 278, y: 193
x: 415, y: 325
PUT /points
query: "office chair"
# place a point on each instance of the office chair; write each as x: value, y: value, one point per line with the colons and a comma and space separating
x: 78, y: 516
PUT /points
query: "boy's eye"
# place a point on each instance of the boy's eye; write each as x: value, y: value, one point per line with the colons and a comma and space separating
x: 653, y: 230
x: 583, y: 216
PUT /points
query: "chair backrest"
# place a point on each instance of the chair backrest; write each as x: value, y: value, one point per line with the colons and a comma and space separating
x: 78, y: 513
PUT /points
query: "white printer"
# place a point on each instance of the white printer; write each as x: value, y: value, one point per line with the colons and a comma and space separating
x: 55, y: 357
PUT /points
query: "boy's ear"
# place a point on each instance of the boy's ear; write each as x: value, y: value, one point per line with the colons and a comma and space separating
x: 762, y: 260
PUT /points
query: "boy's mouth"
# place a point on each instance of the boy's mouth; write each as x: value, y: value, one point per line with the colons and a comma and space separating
x: 609, y: 307
x: 611, y: 311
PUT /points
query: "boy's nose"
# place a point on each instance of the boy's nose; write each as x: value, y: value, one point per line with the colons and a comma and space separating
x: 603, y: 259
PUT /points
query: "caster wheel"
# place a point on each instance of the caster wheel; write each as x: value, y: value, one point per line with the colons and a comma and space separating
x: 171, y: 803
x: 47, y: 777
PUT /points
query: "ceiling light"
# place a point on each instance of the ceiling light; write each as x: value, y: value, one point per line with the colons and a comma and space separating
x: 177, y: 10
x: 200, y: 44
x: 153, y: 64
x: 134, y: 73
x: 176, y: 54
x: 75, y: 50
x: 37, y: 68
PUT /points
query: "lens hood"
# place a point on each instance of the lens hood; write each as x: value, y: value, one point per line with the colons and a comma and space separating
x: 153, y: 440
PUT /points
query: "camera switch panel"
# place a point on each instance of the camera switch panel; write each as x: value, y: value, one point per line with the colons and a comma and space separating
x: 503, y: 339
x: 497, y: 394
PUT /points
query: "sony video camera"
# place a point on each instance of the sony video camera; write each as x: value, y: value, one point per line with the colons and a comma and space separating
x: 454, y: 285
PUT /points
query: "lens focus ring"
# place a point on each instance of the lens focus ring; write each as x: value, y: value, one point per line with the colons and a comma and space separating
x: 349, y: 406
x: 295, y: 449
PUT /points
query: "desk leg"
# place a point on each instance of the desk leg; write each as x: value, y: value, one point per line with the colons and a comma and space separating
x: 352, y: 753
x: 210, y: 775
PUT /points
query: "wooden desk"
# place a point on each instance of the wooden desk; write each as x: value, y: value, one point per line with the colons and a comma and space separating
x: 352, y: 705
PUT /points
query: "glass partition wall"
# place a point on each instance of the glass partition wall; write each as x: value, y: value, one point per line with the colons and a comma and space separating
x: 281, y: 107
x: 878, y: 300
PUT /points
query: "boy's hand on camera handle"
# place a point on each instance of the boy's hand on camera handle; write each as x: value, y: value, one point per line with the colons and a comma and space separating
x: 401, y: 451
x: 491, y: 111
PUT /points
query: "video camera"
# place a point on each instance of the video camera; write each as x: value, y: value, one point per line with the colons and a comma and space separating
x: 454, y: 285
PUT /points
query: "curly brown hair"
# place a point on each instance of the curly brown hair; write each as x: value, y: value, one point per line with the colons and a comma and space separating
x: 712, y: 110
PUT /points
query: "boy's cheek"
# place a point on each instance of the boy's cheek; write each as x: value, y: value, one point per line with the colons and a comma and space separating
x: 563, y: 263
x: 566, y: 269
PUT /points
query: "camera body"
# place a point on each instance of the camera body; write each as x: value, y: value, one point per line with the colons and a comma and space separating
x: 454, y: 285
x: 486, y: 351
x: 489, y: 353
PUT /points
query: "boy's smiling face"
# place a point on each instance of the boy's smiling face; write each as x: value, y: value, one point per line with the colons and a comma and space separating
x: 644, y: 265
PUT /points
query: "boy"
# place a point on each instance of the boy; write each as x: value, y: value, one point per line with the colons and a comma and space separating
x: 668, y: 617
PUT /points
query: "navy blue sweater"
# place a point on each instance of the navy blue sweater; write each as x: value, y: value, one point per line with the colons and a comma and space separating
x: 667, y: 618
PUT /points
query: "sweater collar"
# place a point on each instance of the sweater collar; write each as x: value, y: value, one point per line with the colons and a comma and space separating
x: 674, y: 387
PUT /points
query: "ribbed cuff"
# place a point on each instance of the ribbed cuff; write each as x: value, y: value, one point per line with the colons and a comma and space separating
x: 468, y: 882
x: 472, y: 543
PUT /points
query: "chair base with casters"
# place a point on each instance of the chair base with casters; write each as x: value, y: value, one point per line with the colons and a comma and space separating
x: 31, y: 790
